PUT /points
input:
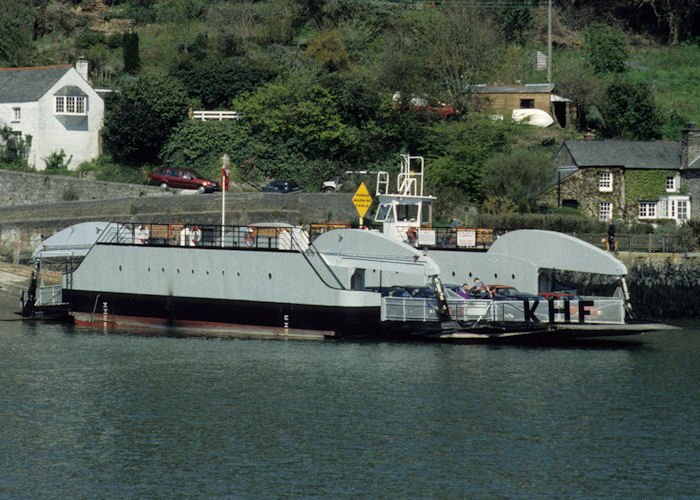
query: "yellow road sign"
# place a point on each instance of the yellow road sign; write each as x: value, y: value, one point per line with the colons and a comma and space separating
x: 362, y: 200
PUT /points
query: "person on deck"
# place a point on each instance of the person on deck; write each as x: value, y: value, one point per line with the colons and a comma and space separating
x: 464, y: 292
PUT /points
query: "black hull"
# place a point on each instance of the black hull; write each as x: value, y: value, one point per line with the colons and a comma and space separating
x: 246, y: 318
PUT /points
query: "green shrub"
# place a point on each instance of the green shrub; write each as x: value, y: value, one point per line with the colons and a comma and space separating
x: 57, y: 161
x: 87, y: 38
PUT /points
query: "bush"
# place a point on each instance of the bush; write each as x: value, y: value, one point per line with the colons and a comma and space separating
x: 57, y: 161
x: 551, y: 222
x: 87, y: 38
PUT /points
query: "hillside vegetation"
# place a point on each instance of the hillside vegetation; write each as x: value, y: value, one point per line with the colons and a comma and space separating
x: 327, y: 86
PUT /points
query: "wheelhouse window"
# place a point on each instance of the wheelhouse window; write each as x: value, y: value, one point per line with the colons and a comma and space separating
x: 604, y: 210
x: 605, y: 182
x: 647, y: 210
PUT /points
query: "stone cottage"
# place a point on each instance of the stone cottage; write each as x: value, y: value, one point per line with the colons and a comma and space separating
x: 57, y: 107
x: 630, y: 180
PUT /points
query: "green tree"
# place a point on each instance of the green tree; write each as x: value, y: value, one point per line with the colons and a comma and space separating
x: 14, y: 150
x: 630, y: 111
x: 216, y: 82
x: 140, y: 117
x: 518, y: 176
x: 328, y: 51
x: 457, y: 152
x: 605, y: 48
x: 575, y: 80
x: 516, y: 20
x: 16, y: 22
x: 130, y: 52
x: 299, y: 110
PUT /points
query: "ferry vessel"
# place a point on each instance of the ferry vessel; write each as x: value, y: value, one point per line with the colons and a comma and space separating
x: 274, y: 281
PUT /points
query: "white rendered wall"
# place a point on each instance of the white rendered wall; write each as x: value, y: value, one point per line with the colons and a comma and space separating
x: 76, y: 135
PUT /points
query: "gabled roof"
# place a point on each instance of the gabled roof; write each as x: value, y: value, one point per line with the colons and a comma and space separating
x: 528, y: 88
x: 29, y: 84
x: 655, y: 155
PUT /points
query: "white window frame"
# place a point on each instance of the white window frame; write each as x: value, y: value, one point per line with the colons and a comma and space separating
x: 70, y: 105
x: 672, y: 183
x: 604, y: 210
x: 605, y: 182
x: 16, y: 114
x: 683, y: 209
x: 647, y: 210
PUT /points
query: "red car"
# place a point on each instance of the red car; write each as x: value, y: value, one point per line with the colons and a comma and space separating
x: 182, y: 179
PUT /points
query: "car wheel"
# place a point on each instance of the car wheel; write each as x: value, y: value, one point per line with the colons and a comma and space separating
x: 202, y: 189
x: 328, y: 190
x: 164, y: 185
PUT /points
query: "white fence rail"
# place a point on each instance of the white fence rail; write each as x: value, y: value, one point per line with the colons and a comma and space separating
x: 215, y: 115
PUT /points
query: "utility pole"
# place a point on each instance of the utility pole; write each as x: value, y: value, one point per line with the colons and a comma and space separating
x: 549, y: 41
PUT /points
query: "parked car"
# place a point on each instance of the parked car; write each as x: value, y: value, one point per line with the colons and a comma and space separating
x: 282, y: 187
x: 507, y: 292
x: 182, y: 179
x: 559, y: 296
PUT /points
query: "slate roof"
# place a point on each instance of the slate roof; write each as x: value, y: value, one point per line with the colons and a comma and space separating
x: 656, y: 155
x: 528, y: 88
x: 29, y: 84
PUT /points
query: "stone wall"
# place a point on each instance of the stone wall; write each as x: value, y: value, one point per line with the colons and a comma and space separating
x: 690, y: 182
x: 25, y: 188
x: 23, y: 227
x: 661, y: 286
x: 583, y: 187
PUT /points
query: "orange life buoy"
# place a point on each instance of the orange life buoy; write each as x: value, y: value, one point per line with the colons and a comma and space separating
x: 142, y: 234
x: 196, y: 235
x: 412, y: 233
x: 249, y: 237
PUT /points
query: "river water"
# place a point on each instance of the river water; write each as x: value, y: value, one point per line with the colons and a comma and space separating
x: 91, y: 415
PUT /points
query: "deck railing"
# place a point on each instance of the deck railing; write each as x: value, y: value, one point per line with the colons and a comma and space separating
x: 598, y: 310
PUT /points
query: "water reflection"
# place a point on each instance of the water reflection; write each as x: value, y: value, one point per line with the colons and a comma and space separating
x: 95, y: 415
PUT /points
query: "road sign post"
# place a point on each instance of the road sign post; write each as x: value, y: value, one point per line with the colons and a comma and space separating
x: 362, y: 201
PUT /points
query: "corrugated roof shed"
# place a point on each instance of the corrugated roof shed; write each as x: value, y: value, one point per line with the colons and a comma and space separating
x: 528, y: 88
x: 29, y: 84
x: 664, y: 155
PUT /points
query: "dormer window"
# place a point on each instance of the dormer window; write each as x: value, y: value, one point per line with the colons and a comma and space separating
x: 70, y: 100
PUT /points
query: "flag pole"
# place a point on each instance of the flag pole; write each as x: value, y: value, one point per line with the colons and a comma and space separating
x: 224, y: 188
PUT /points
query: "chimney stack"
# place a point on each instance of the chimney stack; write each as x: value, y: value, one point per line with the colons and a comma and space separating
x: 690, y: 145
x: 81, y: 66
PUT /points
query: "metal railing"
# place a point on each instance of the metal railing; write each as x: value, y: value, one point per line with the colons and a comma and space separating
x: 606, y: 311
x: 652, y: 242
x: 259, y: 237
x: 49, y: 295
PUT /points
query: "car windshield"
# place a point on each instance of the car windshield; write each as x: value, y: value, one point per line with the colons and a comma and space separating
x: 507, y: 292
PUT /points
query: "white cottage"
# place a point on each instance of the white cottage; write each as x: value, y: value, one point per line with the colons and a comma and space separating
x: 56, y: 106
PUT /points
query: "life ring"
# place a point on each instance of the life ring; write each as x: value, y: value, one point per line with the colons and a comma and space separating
x: 412, y: 233
x: 195, y: 236
x: 141, y: 234
x: 249, y: 237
